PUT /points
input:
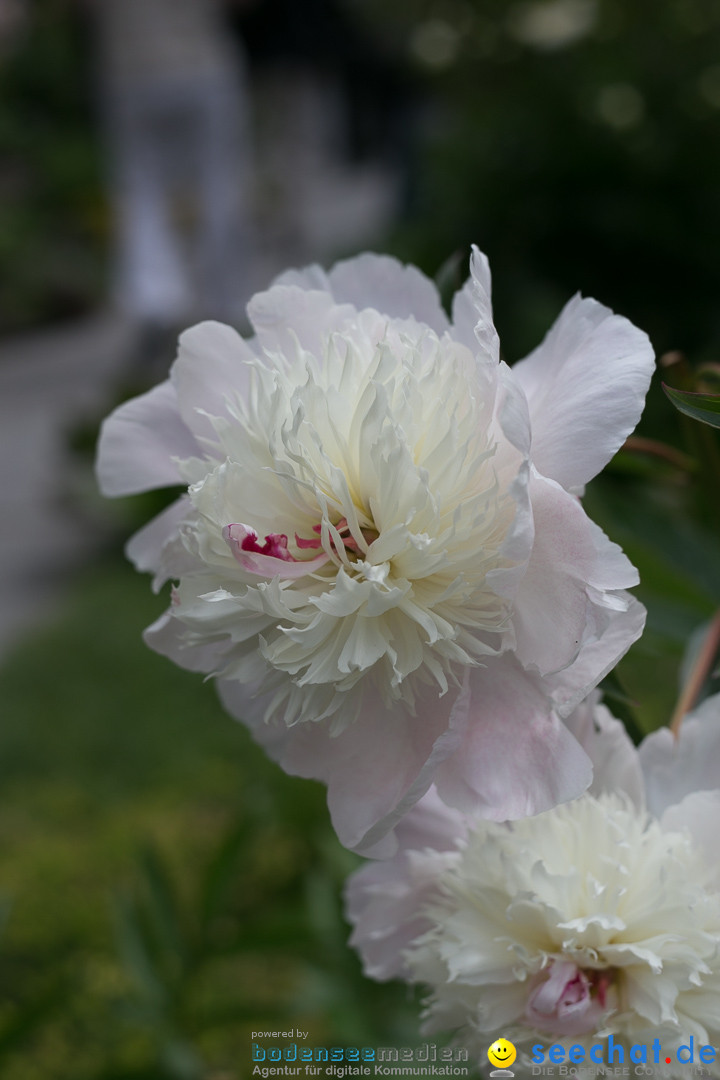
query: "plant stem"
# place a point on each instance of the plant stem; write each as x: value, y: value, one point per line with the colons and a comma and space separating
x: 698, y: 675
x: 639, y: 445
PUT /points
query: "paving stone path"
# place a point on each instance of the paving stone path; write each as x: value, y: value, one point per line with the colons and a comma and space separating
x: 49, y: 382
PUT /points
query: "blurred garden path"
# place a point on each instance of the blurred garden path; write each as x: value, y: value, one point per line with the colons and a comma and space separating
x: 49, y: 381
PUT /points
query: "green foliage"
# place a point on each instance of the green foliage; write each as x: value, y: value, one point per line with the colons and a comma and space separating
x: 172, y: 889
x: 703, y: 407
x: 657, y: 500
x: 587, y: 160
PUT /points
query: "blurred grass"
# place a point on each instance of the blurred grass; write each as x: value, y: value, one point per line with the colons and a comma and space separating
x: 171, y: 889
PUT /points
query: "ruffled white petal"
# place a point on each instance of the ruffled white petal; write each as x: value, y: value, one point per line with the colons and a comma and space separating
x: 516, y: 757
x: 287, y: 316
x: 472, y: 310
x: 573, y: 570
x: 211, y: 371
x: 156, y: 548
x: 552, y: 601
x: 385, y: 900
x: 385, y: 903
x: 140, y: 442
x: 699, y: 813
x: 376, y: 770
x: 674, y: 768
x: 512, y: 411
x: 609, y: 632
x: 586, y: 387
x: 164, y: 637
x: 306, y: 277
x: 431, y: 824
x: 383, y: 283
x: 616, y: 765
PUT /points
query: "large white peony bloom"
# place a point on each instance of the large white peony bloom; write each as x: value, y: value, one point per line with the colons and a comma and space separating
x: 381, y: 553
x: 598, y: 917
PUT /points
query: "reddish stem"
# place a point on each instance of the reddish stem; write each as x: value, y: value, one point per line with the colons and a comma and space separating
x: 640, y: 445
x: 700, y: 671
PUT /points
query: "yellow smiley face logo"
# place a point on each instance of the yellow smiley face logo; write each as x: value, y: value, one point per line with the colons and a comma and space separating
x: 502, y: 1053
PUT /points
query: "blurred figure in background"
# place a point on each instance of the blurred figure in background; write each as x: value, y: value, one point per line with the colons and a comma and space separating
x: 174, y: 101
x: 335, y: 126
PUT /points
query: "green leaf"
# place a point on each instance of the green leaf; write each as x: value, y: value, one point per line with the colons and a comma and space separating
x: 137, y: 956
x: 162, y: 907
x: 703, y: 407
x: 223, y: 872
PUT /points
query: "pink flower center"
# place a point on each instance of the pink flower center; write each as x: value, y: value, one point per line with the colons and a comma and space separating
x: 271, y: 558
x: 275, y: 545
x: 569, y: 1001
x: 349, y: 543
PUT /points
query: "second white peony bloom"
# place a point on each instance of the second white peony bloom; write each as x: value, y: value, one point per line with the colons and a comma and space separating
x: 599, y: 917
x: 381, y: 554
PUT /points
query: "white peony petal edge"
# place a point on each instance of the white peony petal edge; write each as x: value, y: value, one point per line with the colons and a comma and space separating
x: 699, y: 813
x: 139, y: 441
x: 375, y: 770
x: 586, y: 386
x: 552, y: 602
x: 611, y: 633
x: 163, y: 637
x: 385, y: 902
x: 516, y: 757
x: 375, y: 281
x: 616, y: 765
x: 287, y: 315
x: 431, y: 824
x: 211, y: 363
x: 308, y: 277
x: 145, y: 549
x: 673, y: 768
x: 387, y: 285
x: 512, y: 410
x: 472, y: 313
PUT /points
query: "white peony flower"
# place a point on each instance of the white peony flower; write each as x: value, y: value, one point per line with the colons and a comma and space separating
x: 597, y: 917
x: 381, y: 553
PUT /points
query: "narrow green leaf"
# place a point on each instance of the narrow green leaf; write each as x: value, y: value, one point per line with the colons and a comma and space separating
x: 223, y: 871
x: 136, y: 954
x: 162, y: 906
x: 703, y: 407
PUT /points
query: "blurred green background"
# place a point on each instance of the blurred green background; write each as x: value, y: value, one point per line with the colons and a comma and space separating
x: 166, y: 889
